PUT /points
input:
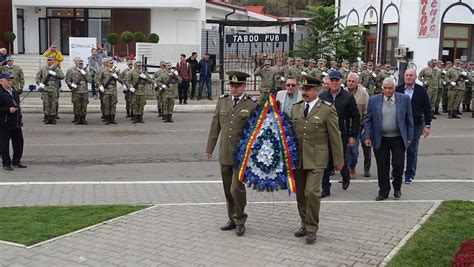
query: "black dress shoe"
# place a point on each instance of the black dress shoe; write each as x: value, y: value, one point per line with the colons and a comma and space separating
x: 345, y: 184
x: 380, y: 198
x: 228, y: 226
x: 240, y: 230
x: 310, y: 237
x: 397, y: 194
x: 301, y: 232
x: 8, y: 168
x: 19, y: 165
x: 366, y: 173
x: 325, y: 194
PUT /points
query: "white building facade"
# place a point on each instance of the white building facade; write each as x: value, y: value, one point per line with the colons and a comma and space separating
x: 441, y: 29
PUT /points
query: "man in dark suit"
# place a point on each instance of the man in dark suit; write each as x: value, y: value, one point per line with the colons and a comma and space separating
x: 10, y: 124
x: 421, y: 109
x: 388, y: 129
x: 349, y: 125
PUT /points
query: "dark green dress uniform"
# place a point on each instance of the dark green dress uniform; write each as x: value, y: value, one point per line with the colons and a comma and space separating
x: 314, y: 134
x: 229, y: 122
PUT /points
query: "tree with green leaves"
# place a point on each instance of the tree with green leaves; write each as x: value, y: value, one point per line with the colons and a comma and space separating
x: 153, y: 38
x: 139, y: 37
x: 127, y: 37
x: 9, y: 37
x: 112, y: 39
x: 328, y: 38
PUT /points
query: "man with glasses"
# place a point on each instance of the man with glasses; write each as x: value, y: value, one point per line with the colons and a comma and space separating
x: 289, y: 96
x: 230, y: 117
x: 349, y: 125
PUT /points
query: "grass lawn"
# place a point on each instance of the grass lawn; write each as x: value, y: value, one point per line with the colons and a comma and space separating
x: 30, y: 225
x: 438, y: 240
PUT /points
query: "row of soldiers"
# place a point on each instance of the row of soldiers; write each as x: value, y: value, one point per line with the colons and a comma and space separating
x: 135, y: 85
x: 273, y: 77
x: 451, y: 84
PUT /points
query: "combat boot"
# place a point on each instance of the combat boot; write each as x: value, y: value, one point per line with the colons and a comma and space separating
x: 112, y: 119
x: 128, y: 114
x: 75, y: 118
x: 437, y: 111
x: 45, y: 118
x: 141, y: 118
x: 170, y: 118
x: 134, y: 119
x: 468, y: 108
x: 84, y: 120
x: 160, y: 112
x: 131, y: 115
x: 52, y: 119
x: 107, y: 119
x: 79, y: 120
x: 165, y: 118
x: 445, y: 109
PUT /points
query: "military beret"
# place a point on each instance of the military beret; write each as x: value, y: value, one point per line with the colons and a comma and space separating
x: 237, y: 76
x: 268, y: 62
x: 310, y: 81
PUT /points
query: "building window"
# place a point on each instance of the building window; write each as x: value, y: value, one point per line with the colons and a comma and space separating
x: 390, y: 42
x: 370, y: 42
x: 456, y: 42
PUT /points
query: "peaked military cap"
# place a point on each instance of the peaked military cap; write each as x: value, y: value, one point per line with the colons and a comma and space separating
x: 237, y: 76
x: 168, y: 65
x: 321, y: 60
x: 291, y: 59
x: 345, y: 61
x: 298, y: 59
x: 449, y: 62
x: 370, y: 63
x: 457, y: 60
x: 312, y: 60
x: 355, y: 64
x: 310, y: 81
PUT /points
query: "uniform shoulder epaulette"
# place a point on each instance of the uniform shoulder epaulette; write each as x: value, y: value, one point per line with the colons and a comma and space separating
x: 253, y: 98
x: 224, y: 95
x: 299, y: 102
x: 327, y: 103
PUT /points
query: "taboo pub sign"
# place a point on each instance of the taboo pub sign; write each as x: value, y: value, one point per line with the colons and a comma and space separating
x: 255, y: 38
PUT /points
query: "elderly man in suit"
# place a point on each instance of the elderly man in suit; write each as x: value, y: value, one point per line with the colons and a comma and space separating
x: 289, y: 96
x: 421, y: 109
x: 316, y: 128
x: 389, y: 130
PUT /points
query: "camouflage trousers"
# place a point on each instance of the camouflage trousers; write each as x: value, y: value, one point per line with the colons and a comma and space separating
x: 439, y: 97
x: 444, y: 96
x: 128, y: 100
x: 110, y: 104
x: 168, y: 105
x: 433, y: 95
x: 50, y: 102
x: 139, y: 102
x: 159, y: 100
x: 453, y: 97
x: 459, y: 98
x: 101, y: 98
x: 79, y: 103
x: 466, y: 101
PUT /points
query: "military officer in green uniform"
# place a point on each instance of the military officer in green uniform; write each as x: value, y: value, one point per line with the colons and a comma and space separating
x: 107, y: 79
x: 430, y: 78
x: 230, y: 117
x: 267, y: 79
x: 312, y: 69
x: 279, y: 70
x: 368, y: 78
x: 444, y: 73
x: 168, y: 81
x: 127, y: 93
x: 382, y: 75
x: 77, y: 79
x: 466, y: 102
x: 47, y: 80
x: 455, y: 88
x: 316, y: 127
x: 321, y: 71
x: 345, y: 70
x: 136, y: 81
x: 159, y: 93
x: 290, y: 63
x: 16, y: 72
x: 296, y: 69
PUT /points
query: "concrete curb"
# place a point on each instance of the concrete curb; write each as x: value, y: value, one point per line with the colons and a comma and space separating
x: 121, y: 108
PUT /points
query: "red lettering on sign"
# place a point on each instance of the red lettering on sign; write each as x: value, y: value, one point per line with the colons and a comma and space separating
x: 424, y: 2
x: 424, y: 19
x: 434, y: 4
x: 433, y: 28
x: 423, y: 10
x: 433, y: 12
x: 423, y: 30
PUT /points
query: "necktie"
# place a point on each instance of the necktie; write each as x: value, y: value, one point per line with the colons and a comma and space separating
x: 306, y: 110
x: 389, y: 100
x: 236, y: 99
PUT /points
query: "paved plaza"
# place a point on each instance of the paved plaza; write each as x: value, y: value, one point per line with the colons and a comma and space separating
x: 161, y: 164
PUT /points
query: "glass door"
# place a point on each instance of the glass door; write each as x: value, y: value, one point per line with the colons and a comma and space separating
x: 43, y: 35
x: 20, y: 22
x: 66, y: 32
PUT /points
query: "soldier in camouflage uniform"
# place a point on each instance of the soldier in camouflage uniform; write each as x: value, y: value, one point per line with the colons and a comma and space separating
x: 312, y: 69
x: 267, y: 79
x: 464, y: 76
x: 430, y: 79
x: 355, y: 68
x: 107, y: 79
x: 47, y: 80
x: 345, y: 71
x: 279, y: 70
x: 76, y: 79
x: 159, y: 93
x: 468, y: 94
x: 368, y: 79
x: 16, y: 72
x: 290, y: 63
x: 127, y: 93
x: 455, y: 88
x: 137, y: 80
x: 168, y: 82
x: 101, y: 94
x: 439, y: 70
x: 382, y: 75
x: 321, y: 71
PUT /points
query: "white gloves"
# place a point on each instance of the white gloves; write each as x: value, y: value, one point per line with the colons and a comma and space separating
x: 324, y: 73
x: 53, y: 73
x: 83, y: 72
x: 42, y: 86
x: 125, y: 89
x: 453, y: 83
x: 444, y: 83
x: 73, y: 85
x: 155, y: 85
x: 175, y: 72
x: 374, y: 75
x: 132, y: 89
x: 163, y: 87
x: 444, y: 72
x: 464, y: 73
x: 102, y: 89
x: 282, y: 79
x: 142, y: 75
x: 304, y: 73
x: 425, y: 82
x: 115, y: 75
